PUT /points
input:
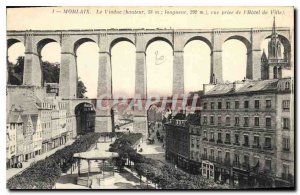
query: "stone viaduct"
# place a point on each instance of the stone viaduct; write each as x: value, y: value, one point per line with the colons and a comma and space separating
x: 70, y: 40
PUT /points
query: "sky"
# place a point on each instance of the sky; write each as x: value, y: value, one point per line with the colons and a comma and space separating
x: 159, y: 77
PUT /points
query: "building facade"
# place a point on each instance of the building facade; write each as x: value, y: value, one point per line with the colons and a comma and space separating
x: 37, y: 135
x: 245, y: 133
x: 45, y: 113
x: 178, y: 139
x: 35, y: 125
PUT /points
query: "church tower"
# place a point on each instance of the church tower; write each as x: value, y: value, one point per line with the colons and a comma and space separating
x: 264, y: 66
x: 274, y: 46
x: 271, y: 67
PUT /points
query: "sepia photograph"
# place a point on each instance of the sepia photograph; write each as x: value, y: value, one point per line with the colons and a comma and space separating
x: 150, y: 98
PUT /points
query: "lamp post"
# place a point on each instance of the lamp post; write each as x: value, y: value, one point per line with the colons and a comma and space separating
x: 96, y: 148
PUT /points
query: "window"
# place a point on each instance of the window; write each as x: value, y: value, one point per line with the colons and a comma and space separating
x: 268, y: 164
x: 197, y: 156
x: 286, y: 123
x: 227, y: 105
x: 219, y: 120
x: 246, y: 104
x: 286, y: 144
x: 268, y: 122
x: 255, y: 161
x: 227, y: 121
x: 268, y: 103
x: 212, y: 154
x: 246, y: 140
x: 256, y: 140
x: 219, y: 105
x: 246, y: 121
x: 212, y: 105
x: 286, y: 105
x: 192, y: 154
x: 246, y: 159
x: 236, y: 138
x: 204, y: 105
x: 204, y: 120
x: 287, y: 85
x: 256, y: 104
x: 219, y: 136
x: 237, y: 104
x: 256, y: 121
x: 227, y: 157
x: 212, y: 120
x: 285, y: 171
x: 237, y: 121
x: 219, y: 156
x: 236, y: 159
x: 227, y: 138
x: 212, y: 135
x: 268, y: 142
x: 205, y: 152
x: 192, y: 143
x: 205, y: 134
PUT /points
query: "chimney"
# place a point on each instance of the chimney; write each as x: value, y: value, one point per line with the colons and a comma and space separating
x: 237, y: 85
x: 207, y: 87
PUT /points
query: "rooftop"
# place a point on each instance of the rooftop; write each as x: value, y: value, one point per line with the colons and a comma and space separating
x: 245, y: 87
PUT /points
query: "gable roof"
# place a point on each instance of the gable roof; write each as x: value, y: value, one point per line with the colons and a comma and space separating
x: 247, y: 86
x: 14, y: 117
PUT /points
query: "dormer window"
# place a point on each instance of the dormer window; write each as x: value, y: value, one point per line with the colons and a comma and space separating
x: 287, y: 85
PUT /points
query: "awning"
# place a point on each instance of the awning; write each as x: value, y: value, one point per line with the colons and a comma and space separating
x: 96, y: 155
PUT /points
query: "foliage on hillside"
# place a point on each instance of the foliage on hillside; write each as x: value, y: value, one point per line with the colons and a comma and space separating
x: 45, y: 173
x: 163, y: 175
x: 50, y: 74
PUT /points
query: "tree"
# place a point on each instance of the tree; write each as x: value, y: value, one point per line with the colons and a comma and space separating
x: 15, y: 71
x: 50, y: 74
x: 81, y: 89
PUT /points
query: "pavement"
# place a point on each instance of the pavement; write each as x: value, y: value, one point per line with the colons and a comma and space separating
x: 154, y: 151
x: 14, y: 171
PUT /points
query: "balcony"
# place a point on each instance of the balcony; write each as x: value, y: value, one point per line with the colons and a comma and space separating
x: 245, y: 166
x: 219, y: 141
x: 246, y: 125
x: 285, y: 109
x: 204, y: 156
x: 285, y: 149
x: 205, y: 139
x: 236, y: 143
x: 268, y: 127
x: 278, y: 61
x: 219, y: 160
x: 246, y: 145
x: 268, y: 148
x: 257, y: 146
x: 236, y: 164
x: 227, y: 142
x: 227, y: 162
x: 286, y: 176
x: 267, y: 170
x: 212, y: 140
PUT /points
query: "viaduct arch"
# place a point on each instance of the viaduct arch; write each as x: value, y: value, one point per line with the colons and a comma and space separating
x: 70, y: 40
